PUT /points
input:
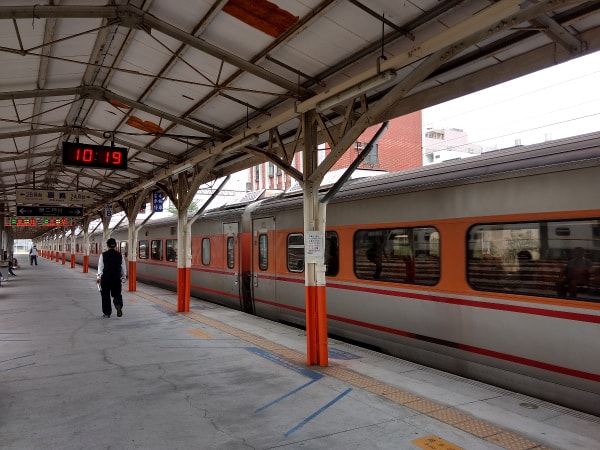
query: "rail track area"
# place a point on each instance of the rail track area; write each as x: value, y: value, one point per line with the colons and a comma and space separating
x: 215, y: 378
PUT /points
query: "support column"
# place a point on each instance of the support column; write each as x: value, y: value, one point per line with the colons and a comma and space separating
x: 132, y: 239
x: 132, y: 207
x: 86, y: 245
x: 314, y: 233
x: 73, y: 245
x: 184, y: 254
x: 63, y: 243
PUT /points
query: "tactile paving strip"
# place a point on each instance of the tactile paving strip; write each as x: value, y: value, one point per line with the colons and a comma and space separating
x: 512, y: 441
x: 491, y: 433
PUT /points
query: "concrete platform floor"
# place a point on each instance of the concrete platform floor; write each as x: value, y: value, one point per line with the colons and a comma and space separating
x: 220, y: 379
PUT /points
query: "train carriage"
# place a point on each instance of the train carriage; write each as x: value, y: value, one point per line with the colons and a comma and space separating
x: 462, y: 266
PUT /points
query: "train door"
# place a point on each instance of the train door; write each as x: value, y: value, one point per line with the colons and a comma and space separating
x: 264, y: 273
x: 231, y: 284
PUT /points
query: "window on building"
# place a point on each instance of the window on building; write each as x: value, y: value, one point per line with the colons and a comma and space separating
x: 372, y: 158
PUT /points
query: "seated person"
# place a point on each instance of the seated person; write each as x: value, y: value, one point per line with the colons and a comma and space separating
x: 10, y: 268
x: 575, y: 274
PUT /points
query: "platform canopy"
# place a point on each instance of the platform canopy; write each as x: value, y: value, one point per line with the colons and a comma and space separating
x: 207, y: 88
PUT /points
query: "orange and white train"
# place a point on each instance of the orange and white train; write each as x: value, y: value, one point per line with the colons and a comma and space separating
x: 487, y: 267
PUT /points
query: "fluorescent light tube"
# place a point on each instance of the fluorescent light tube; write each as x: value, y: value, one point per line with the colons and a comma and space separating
x: 355, y: 91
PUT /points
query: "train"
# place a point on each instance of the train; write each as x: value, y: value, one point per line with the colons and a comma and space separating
x: 465, y: 266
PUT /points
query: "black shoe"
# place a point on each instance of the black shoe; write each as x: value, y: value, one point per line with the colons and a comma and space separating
x: 106, y: 316
x: 119, y: 312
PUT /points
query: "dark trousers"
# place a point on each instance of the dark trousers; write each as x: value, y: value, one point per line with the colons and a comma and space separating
x: 111, y: 288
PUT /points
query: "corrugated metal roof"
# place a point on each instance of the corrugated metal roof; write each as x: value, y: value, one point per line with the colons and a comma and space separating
x: 181, y: 83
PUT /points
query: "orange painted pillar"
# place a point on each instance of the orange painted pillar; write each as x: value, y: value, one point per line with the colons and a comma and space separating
x: 86, y: 263
x: 311, y: 325
x: 64, y: 258
x: 72, y: 260
x: 183, y: 289
x: 132, y: 273
x: 323, y: 352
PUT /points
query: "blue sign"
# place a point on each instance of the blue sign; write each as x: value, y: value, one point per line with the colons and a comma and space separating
x: 157, y: 201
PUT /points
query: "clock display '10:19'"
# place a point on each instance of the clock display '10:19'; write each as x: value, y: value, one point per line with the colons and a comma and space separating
x: 94, y: 156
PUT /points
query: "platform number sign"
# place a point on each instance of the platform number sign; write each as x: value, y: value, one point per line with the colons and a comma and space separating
x: 157, y: 201
x: 108, y: 210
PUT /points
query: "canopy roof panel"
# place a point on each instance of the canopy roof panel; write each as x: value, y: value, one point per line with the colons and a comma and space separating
x: 179, y: 82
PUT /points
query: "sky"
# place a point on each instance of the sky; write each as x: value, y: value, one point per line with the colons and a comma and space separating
x: 554, y: 103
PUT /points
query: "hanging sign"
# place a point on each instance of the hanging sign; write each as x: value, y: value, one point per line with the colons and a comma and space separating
x: 49, y: 211
x: 46, y: 197
x: 157, y: 201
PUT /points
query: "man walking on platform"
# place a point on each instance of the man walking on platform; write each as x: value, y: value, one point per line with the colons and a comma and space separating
x: 111, y: 269
x: 33, y: 254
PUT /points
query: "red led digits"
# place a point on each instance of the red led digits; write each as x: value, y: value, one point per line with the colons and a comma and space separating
x: 94, y: 156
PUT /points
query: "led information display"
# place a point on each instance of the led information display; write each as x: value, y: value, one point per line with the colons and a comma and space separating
x: 94, y: 156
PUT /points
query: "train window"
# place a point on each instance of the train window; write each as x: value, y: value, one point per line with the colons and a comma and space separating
x: 171, y: 249
x: 332, y: 254
x: 143, y: 249
x: 230, y: 252
x: 263, y: 252
x: 549, y: 258
x: 206, y: 251
x: 398, y: 255
x: 295, y: 252
x: 123, y: 248
x: 156, y: 251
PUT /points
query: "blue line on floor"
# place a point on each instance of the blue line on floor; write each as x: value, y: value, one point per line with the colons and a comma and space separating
x: 316, y: 413
x: 277, y: 400
x: 282, y: 362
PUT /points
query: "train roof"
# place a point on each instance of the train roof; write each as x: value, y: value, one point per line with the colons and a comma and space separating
x: 556, y: 155
x: 560, y: 154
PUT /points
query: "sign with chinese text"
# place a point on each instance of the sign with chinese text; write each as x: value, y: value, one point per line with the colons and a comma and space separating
x: 314, y: 246
x: 41, y: 196
x: 157, y: 201
x: 49, y: 211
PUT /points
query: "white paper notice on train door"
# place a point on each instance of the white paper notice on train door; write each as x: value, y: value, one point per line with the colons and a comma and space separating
x: 314, y: 247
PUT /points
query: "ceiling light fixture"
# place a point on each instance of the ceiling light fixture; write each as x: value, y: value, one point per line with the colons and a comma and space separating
x: 182, y: 168
x: 245, y: 142
x: 356, y: 90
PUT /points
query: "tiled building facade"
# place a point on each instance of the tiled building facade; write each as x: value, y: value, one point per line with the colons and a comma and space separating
x: 399, y: 148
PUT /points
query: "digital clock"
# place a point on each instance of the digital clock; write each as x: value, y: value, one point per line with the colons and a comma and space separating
x: 96, y: 156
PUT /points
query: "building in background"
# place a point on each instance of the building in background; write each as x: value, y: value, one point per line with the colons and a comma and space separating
x: 399, y: 148
x: 443, y: 144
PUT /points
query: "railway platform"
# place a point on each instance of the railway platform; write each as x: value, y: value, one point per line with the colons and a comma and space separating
x: 216, y: 378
